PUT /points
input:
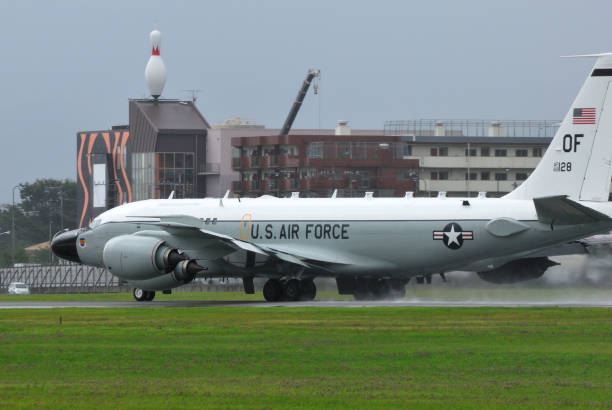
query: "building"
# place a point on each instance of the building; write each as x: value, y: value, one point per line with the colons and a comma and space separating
x: 464, y: 157
x: 316, y: 165
x: 102, y: 171
x: 163, y: 149
x: 459, y: 157
x: 219, y: 148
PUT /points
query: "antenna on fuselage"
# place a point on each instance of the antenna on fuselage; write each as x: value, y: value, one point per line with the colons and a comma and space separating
x: 171, y: 195
x: 224, y: 197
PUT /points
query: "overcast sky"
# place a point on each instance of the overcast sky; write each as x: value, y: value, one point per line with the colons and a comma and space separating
x: 71, y: 67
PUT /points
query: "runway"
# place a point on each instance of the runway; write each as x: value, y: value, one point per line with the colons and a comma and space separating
x: 315, y: 304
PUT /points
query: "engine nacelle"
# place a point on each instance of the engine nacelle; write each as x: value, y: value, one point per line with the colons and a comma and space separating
x: 183, y: 273
x: 140, y: 257
x: 517, y: 271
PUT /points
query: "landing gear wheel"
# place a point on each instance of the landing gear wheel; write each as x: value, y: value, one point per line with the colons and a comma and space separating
x: 381, y: 290
x: 363, y: 290
x: 150, y: 295
x: 139, y: 294
x: 291, y: 290
x: 308, y: 290
x: 362, y: 294
x: 272, y: 290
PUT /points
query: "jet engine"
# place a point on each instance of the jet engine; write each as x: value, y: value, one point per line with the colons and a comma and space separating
x: 146, y: 259
x: 517, y: 271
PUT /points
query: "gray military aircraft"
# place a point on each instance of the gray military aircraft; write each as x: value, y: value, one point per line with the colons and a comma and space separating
x: 371, y: 246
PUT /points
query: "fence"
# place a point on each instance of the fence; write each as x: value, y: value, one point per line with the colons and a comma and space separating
x: 74, y: 278
x: 472, y: 128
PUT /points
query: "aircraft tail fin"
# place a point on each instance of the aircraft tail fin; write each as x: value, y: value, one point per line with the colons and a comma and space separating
x: 559, y: 210
x: 578, y: 161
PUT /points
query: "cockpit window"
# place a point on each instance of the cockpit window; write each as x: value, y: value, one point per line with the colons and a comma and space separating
x: 94, y: 223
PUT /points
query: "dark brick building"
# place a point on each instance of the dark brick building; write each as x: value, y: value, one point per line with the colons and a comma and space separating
x: 315, y: 165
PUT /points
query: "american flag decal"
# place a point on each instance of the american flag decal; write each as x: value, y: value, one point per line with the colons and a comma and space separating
x: 584, y: 116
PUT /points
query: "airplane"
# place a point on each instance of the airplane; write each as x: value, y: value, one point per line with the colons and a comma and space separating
x: 371, y: 246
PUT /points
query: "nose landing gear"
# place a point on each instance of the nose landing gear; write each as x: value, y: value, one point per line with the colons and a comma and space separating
x: 142, y: 295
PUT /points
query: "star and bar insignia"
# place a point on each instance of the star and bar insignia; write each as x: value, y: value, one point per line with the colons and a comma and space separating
x: 453, y: 235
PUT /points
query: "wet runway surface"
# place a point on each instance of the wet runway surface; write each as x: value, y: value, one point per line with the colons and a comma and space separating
x: 315, y: 304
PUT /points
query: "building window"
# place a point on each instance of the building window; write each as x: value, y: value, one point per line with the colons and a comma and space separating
x: 407, y: 150
x: 472, y: 176
x: 434, y: 175
x: 364, y: 179
x: 470, y: 152
x: 485, y: 175
x: 175, y: 172
x: 484, y: 152
x: 443, y: 175
x: 537, y: 152
x: 521, y: 176
x: 315, y: 150
x: 408, y: 174
x: 433, y: 152
x: 443, y: 151
x: 501, y: 153
x: 521, y: 152
x: 501, y: 177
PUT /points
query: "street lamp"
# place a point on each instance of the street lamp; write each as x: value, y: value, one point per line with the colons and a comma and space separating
x: 13, y: 226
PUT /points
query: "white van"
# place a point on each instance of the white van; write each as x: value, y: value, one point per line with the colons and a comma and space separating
x: 18, y: 288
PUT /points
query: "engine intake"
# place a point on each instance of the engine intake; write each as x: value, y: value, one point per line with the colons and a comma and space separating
x: 519, y: 270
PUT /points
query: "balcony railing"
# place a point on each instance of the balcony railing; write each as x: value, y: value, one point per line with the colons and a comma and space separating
x: 209, y: 168
x: 472, y: 128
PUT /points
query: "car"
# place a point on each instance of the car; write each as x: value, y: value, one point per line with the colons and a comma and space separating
x: 18, y: 288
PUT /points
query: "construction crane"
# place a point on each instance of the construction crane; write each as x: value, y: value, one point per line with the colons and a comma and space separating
x: 312, y: 74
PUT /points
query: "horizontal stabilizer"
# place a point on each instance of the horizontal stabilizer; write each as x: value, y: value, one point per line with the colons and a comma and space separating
x: 560, y: 210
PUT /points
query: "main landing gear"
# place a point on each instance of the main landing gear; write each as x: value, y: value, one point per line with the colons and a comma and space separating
x: 291, y: 290
x: 142, y: 295
x: 379, y: 289
x: 371, y: 288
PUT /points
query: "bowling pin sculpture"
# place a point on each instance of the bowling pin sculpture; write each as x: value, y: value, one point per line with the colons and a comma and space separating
x: 155, y: 72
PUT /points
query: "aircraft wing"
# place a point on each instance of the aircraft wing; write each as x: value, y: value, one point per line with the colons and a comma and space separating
x: 313, y: 259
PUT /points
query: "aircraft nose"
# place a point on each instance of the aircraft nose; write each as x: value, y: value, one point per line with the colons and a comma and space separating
x: 64, y: 245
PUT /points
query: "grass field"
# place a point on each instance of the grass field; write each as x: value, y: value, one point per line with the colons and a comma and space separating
x: 304, y: 357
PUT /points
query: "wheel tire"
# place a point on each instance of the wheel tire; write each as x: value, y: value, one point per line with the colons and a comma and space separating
x: 364, y: 289
x: 291, y: 290
x: 139, y: 294
x: 381, y: 290
x: 361, y: 294
x: 308, y: 289
x: 150, y: 295
x: 272, y: 290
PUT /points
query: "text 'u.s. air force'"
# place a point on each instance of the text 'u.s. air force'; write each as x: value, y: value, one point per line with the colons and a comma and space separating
x: 295, y: 231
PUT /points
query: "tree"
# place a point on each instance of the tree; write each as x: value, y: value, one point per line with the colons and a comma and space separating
x: 47, y: 206
x: 50, y: 199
